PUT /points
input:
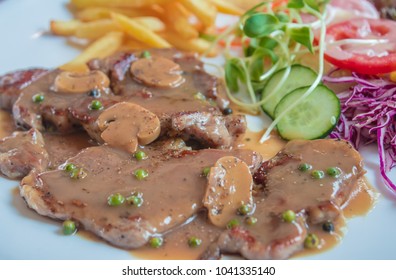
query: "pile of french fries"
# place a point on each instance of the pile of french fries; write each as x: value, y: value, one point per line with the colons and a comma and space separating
x: 110, y: 26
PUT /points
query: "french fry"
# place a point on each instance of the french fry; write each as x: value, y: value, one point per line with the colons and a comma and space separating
x: 176, y: 17
x: 96, y: 29
x: 101, y: 48
x: 152, y: 23
x: 139, y: 32
x: 64, y: 28
x: 196, y: 45
x: 205, y: 11
x: 143, y: 23
x: 81, y: 4
x: 227, y: 7
x: 96, y: 13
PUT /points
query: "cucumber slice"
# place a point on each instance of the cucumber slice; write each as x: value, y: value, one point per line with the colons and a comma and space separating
x: 314, y: 117
x: 300, y: 76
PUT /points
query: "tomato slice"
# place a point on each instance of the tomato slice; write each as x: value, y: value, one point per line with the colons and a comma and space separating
x: 363, y: 58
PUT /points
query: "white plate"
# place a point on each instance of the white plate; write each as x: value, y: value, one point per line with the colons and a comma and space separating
x: 26, y: 235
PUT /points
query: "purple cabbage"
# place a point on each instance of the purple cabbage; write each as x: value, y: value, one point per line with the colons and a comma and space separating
x: 368, y: 114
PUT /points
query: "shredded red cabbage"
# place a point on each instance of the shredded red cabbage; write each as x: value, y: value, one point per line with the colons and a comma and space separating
x: 368, y: 114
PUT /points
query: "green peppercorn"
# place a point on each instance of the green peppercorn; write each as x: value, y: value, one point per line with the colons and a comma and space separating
x: 212, y: 102
x: 135, y: 200
x: 311, y: 241
x: 78, y: 173
x: 232, y: 224
x: 194, y: 242
x: 288, y: 216
x: 317, y: 174
x: 140, y: 155
x: 96, y: 105
x: 115, y: 199
x: 70, y: 167
x: 251, y: 220
x: 146, y: 54
x: 244, y: 210
x: 141, y: 174
x: 304, y: 167
x: 38, y: 98
x: 199, y: 96
x: 206, y: 171
x: 69, y: 227
x: 156, y: 242
x: 328, y: 226
x: 333, y: 171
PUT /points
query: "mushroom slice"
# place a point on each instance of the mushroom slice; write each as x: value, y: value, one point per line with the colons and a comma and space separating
x: 229, y: 186
x: 74, y: 82
x: 157, y: 71
x: 125, y: 125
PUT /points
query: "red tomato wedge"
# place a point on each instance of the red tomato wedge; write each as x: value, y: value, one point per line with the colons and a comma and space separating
x: 369, y: 59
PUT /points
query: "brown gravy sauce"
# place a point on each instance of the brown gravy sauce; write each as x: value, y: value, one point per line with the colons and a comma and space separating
x: 360, y: 204
x: 7, y: 126
x: 362, y: 201
x: 175, y: 246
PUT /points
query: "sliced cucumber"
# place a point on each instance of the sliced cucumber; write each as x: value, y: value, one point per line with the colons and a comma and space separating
x: 314, y: 117
x: 300, y: 76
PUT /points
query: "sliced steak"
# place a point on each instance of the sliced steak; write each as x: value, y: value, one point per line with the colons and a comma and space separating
x: 53, y: 113
x: 21, y: 153
x: 172, y: 192
x: 322, y: 198
x: 209, y: 129
x: 12, y: 83
x: 191, y: 109
x: 196, y: 80
x: 282, y: 186
x: 24, y: 151
x: 275, y: 240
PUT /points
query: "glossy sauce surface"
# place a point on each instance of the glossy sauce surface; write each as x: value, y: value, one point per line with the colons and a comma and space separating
x: 176, y: 244
x: 7, y: 126
x: 362, y: 200
x: 360, y: 203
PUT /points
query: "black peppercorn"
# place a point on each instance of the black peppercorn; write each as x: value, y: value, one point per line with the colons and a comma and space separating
x: 227, y: 111
x: 94, y: 93
x: 328, y: 226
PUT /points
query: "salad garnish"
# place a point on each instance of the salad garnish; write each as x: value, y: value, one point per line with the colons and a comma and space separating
x: 368, y: 116
x: 273, y: 36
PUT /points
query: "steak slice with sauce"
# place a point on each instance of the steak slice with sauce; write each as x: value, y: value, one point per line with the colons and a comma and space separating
x: 11, y: 85
x: 22, y: 152
x: 323, y: 198
x: 26, y: 151
x: 196, y: 79
x: 282, y: 186
x: 191, y: 109
x: 172, y: 193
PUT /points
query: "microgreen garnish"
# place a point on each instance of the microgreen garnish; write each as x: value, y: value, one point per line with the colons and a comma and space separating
x: 271, y: 39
